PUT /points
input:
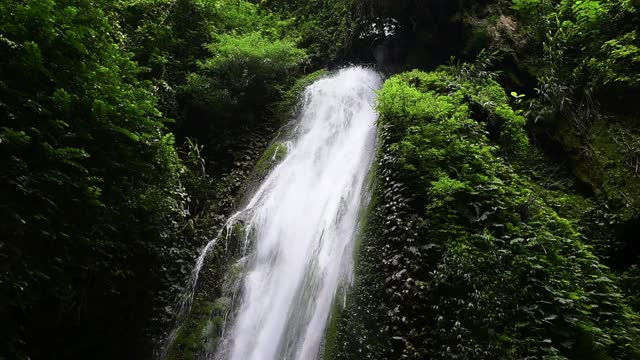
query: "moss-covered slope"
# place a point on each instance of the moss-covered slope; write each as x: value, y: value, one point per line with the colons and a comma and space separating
x: 464, y: 256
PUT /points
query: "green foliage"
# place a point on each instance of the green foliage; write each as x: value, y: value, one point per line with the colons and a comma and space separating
x: 325, y: 26
x: 587, y: 43
x: 90, y: 179
x: 526, y: 5
x: 215, y: 65
x: 629, y: 282
x: 410, y: 104
x: 464, y: 258
x: 243, y: 70
x: 588, y: 66
x: 184, y: 43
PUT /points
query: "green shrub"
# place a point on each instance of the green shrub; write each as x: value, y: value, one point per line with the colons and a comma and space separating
x: 244, y: 72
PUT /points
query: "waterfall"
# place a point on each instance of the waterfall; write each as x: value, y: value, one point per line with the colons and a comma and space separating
x: 303, y: 219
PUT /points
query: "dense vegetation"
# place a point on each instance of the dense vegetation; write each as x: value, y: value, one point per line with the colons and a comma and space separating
x: 91, y: 196
x: 503, y: 225
x: 468, y: 257
x: 101, y: 210
x: 588, y: 72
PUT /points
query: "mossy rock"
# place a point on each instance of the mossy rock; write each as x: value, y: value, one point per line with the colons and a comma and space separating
x: 221, y: 305
x: 236, y: 239
x: 603, y: 159
x: 188, y: 344
x: 286, y: 107
x: 211, y: 334
x: 201, y: 332
x: 235, y: 271
x: 271, y: 157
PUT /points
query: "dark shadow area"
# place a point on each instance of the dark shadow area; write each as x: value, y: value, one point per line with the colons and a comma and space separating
x: 402, y: 35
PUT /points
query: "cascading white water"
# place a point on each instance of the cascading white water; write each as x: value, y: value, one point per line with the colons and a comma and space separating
x: 303, y: 219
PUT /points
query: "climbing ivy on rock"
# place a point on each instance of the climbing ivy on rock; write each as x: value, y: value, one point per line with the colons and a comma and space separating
x: 463, y: 258
x: 587, y: 58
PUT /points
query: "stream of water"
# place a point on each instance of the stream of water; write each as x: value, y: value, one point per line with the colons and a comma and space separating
x: 303, y: 219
